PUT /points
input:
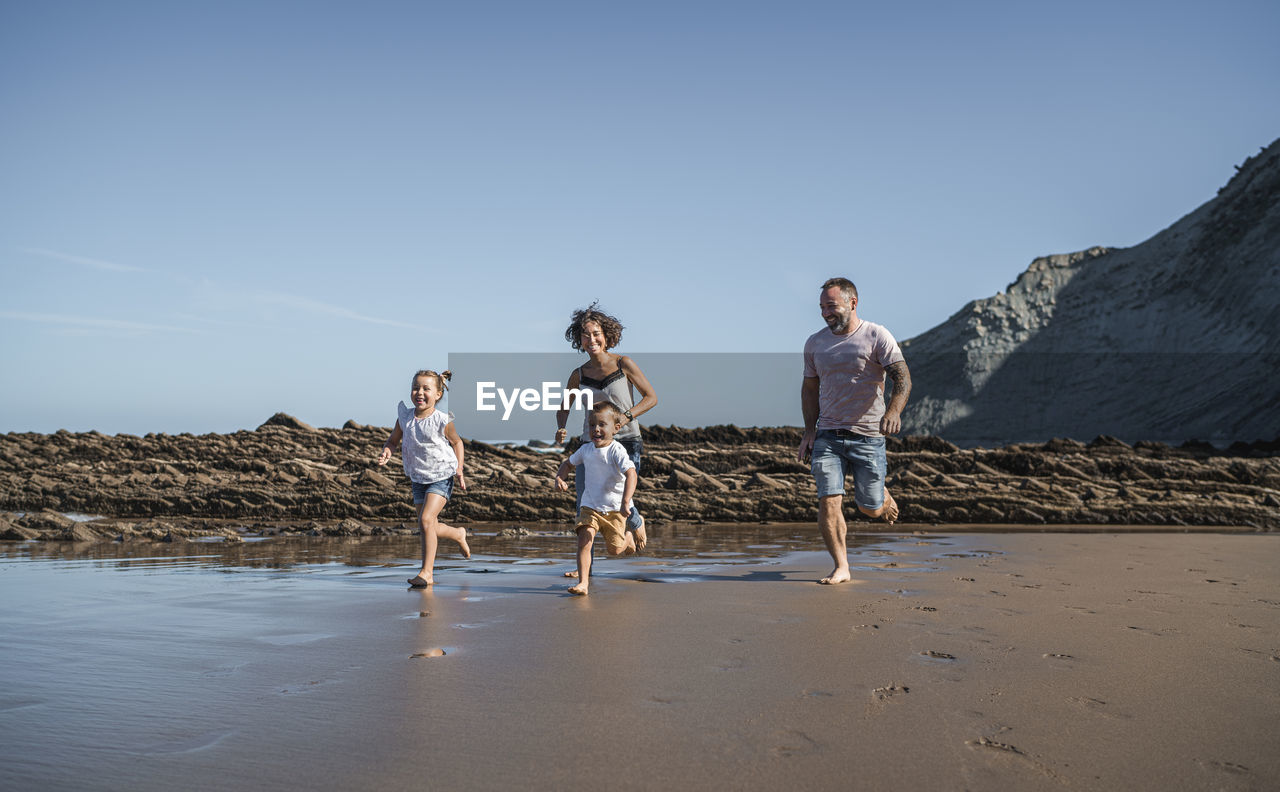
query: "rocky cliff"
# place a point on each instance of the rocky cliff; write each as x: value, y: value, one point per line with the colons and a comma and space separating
x: 1171, y: 340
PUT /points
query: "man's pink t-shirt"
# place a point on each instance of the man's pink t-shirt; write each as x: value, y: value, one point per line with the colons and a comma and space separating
x: 850, y: 371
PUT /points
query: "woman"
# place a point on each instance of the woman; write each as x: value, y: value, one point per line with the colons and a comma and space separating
x: 613, y: 377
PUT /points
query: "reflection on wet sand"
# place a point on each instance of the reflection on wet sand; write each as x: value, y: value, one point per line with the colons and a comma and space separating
x: 491, y: 543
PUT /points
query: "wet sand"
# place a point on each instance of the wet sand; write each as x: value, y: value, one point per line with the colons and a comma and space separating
x: 974, y: 661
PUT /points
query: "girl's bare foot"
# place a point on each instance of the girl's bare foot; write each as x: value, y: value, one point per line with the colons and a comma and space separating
x: 462, y: 543
x: 420, y: 580
x: 836, y: 577
x: 580, y: 589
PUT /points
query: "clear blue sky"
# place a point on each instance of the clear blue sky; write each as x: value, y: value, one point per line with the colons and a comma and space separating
x: 214, y: 211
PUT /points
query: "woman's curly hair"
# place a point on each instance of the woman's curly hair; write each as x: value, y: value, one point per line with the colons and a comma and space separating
x: 609, y: 325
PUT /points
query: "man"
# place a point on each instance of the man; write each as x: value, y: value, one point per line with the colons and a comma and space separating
x: 845, y: 418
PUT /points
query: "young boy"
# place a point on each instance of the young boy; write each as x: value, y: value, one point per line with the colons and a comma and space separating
x: 610, y: 481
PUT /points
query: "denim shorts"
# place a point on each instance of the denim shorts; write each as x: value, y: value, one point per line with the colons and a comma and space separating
x: 443, y: 487
x: 634, y: 447
x: 837, y: 455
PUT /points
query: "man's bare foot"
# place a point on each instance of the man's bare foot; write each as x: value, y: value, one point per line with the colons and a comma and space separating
x: 420, y: 580
x: 890, y: 513
x: 580, y: 589
x: 642, y: 538
x: 836, y: 577
x: 572, y: 573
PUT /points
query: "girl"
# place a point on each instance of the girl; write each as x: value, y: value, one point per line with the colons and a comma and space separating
x: 432, y: 453
x: 609, y: 377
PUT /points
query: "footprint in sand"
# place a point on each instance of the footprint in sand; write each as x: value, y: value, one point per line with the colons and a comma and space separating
x: 1230, y: 768
x: 1010, y: 752
x: 795, y: 743
x: 1242, y: 625
x: 937, y: 655
x: 787, y: 620
x: 1098, y: 707
x: 986, y: 742
x: 1259, y: 653
x: 1160, y: 633
x: 889, y: 691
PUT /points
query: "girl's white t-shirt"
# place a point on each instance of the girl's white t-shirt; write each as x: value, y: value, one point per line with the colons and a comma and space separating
x: 426, y: 451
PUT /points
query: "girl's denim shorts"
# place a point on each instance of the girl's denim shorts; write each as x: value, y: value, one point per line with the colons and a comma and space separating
x: 443, y: 487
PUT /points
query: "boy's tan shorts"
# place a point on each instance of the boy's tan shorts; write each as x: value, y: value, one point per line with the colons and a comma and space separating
x: 611, y: 525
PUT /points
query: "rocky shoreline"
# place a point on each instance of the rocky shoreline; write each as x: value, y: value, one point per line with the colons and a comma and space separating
x: 286, y: 477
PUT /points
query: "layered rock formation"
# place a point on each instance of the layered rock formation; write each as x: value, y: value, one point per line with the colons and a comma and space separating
x: 1171, y: 340
x: 288, y: 477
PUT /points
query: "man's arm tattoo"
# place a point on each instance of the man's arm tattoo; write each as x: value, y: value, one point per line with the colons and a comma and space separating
x: 901, y: 377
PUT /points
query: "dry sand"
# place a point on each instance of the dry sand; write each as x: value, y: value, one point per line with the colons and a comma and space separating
x: 977, y: 661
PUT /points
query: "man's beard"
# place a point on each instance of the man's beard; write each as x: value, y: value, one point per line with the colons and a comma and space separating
x: 841, y: 324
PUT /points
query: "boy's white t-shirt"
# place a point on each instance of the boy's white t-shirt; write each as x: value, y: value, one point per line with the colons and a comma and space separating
x: 604, y: 474
x: 426, y: 451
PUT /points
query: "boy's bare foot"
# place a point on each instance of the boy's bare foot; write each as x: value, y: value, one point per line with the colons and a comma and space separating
x: 420, y: 581
x: 572, y: 573
x: 890, y: 508
x: 580, y: 589
x: 836, y: 577
x: 642, y: 538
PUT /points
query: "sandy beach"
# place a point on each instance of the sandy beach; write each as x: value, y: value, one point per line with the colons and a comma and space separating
x: 954, y: 661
